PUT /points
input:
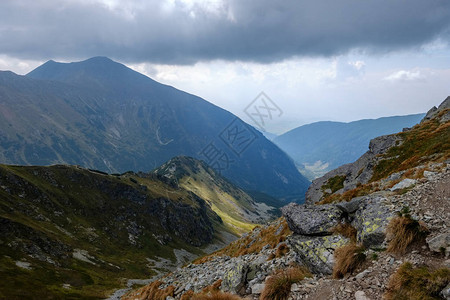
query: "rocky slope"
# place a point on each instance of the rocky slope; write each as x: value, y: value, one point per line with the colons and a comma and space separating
x: 388, y: 240
x: 100, y: 114
x: 69, y: 232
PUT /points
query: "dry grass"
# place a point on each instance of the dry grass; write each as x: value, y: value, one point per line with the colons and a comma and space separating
x: 347, y: 259
x: 281, y: 251
x: 402, y: 231
x: 346, y: 230
x: 278, y: 286
x: 360, y: 190
x: 417, y: 283
x: 253, y: 242
x: 151, y: 292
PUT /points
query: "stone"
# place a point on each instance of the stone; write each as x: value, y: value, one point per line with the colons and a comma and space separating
x: 371, y: 221
x: 235, y: 277
x: 405, y: 183
x: 258, y: 288
x: 311, y: 219
x: 446, y: 292
x: 351, y: 206
x: 440, y: 242
x: 428, y: 174
x: 317, y: 252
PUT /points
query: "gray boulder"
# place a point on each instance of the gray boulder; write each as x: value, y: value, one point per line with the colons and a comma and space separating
x: 311, y: 220
x: 234, y: 278
x: 371, y: 220
x: 351, y: 206
x: 440, y: 242
x: 405, y: 183
x: 317, y: 252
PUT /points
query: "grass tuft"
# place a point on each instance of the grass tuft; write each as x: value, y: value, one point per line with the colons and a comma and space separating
x: 346, y: 230
x: 347, y: 259
x: 152, y: 291
x: 278, y: 286
x: 417, y: 283
x: 402, y: 231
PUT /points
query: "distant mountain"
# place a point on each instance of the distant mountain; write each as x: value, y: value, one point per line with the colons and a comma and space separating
x: 320, y: 147
x: 100, y: 114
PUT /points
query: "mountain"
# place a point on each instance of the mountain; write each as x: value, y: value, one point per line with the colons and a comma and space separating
x: 235, y: 207
x: 68, y: 232
x: 102, y: 115
x: 322, y: 146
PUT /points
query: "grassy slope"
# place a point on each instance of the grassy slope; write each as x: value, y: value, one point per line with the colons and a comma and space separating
x: 50, y: 211
x: 232, y: 204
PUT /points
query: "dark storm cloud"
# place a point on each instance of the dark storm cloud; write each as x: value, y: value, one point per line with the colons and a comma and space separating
x: 253, y: 30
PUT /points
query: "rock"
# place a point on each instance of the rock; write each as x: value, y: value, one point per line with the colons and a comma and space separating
x: 371, y: 220
x: 258, y: 288
x: 234, y: 278
x: 317, y: 252
x: 446, y: 292
x: 351, y: 206
x: 295, y: 288
x: 405, y: 183
x: 429, y: 175
x: 440, y: 242
x: 360, y: 295
x: 361, y: 275
x: 311, y: 220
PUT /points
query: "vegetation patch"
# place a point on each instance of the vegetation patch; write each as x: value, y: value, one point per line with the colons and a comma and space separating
x: 360, y: 190
x: 347, y: 259
x: 151, y: 291
x: 417, y: 283
x: 425, y: 142
x: 278, y: 286
x: 346, y: 230
x: 254, y: 241
x: 334, y: 183
x: 402, y: 231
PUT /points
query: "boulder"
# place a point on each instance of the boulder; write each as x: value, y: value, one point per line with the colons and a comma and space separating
x: 258, y: 288
x: 405, y: 183
x: 371, y: 220
x: 440, y: 242
x: 351, y: 206
x: 317, y: 252
x: 234, y: 278
x: 311, y: 219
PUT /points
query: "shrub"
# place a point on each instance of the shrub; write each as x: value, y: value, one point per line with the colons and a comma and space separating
x: 278, y: 286
x: 402, y: 231
x: 347, y: 259
x: 215, y: 296
x: 346, y: 230
x: 417, y: 283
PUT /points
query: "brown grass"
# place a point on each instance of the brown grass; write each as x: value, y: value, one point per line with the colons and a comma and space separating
x: 346, y: 230
x: 151, y: 292
x: 250, y: 244
x: 278, y: 286
x: 402, y: 231
x: 417, y: 283
x: 360, y: 190
x: 347, y: 259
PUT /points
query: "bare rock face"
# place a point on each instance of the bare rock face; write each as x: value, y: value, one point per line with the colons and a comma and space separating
x: 311, y: 220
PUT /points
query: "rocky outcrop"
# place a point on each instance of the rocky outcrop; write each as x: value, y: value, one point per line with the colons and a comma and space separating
x: 311, y: 220
x: 371, y: 220
x: 359, y: 172
x: 317, y: 252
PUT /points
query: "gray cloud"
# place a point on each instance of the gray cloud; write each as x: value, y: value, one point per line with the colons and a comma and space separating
x: 253, y: 30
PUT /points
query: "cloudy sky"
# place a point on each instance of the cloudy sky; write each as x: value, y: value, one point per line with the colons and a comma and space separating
x: 317, y: 60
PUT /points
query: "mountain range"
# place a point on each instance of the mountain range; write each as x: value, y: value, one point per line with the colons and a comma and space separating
x: 102, y: 115
x: 322, y: 146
